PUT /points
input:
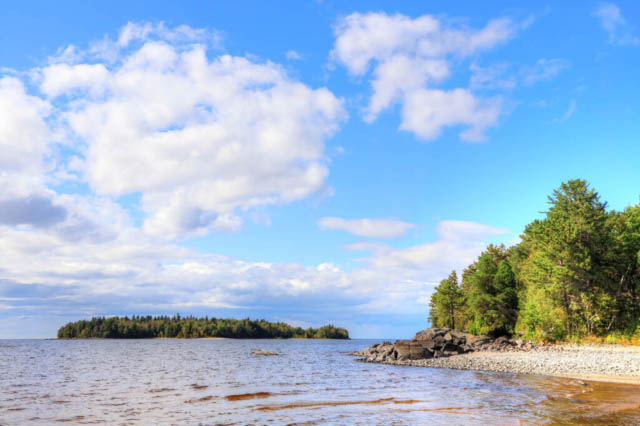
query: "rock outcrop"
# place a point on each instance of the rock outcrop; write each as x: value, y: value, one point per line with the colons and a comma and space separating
x: 438, y: 343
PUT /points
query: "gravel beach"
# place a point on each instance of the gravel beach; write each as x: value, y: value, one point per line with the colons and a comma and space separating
x: 587, y: 362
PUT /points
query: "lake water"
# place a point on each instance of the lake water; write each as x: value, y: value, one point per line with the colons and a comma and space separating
x: 312, y: 382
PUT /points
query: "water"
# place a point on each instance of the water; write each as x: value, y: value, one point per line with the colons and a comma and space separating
x: 312, y: 382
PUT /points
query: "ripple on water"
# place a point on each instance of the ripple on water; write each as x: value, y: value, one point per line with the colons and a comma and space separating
x: 244, y: 396
x: 203, y: 399
x: 70, y: 419
x: 312, y: 382
x: 161, y: 390
x: 198, y: 387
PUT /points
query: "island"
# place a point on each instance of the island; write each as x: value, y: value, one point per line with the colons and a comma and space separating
x: 145, y: 327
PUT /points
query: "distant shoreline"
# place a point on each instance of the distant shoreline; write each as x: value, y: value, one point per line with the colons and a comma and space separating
x: 150, y: 327
x: 190, y: 338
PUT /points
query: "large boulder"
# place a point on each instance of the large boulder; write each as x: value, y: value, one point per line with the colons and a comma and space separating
x: 410, y: 349
x: 437, y: 343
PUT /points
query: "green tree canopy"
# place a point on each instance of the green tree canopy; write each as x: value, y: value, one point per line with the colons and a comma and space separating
x: 139, y: 327
x: 446, y: 302
x: 575, y: 272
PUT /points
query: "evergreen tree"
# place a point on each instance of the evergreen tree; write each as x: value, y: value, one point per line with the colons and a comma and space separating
x: 568, y: 259
x: 138, y: 327
x: 575, y: 272
x: 446, y: 303
x: 493, y: 299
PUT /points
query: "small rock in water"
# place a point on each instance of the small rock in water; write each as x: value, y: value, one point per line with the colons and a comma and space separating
x: 263, y: 352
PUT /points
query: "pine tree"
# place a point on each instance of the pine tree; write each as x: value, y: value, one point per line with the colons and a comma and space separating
x: 446, y: 302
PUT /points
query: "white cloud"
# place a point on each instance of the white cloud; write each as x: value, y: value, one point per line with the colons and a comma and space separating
x: 616, y: 26
x: 491, y: 78
x: 201, y: 139
x: 409, y: 57
x: 121, y: 268
x: 292, y: 55
x: 204, y: 140
x: 505, y: 76
x: 24, y: 134
x: 130, y: 36
x: 427, y: 111
x: 544, y: 69
x: 61, y: 78
x: 458, y: 244
x: 373, y: 228
x: 459, y: 230
x: 568, y: 114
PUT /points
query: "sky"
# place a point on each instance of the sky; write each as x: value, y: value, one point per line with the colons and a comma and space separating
x: 311, y: 162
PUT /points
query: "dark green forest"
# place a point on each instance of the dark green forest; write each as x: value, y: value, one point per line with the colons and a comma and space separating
x: 141, y: 327
x: 575, y: 274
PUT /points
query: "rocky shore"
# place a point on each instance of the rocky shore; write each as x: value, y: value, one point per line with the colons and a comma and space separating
x: 443, y: 348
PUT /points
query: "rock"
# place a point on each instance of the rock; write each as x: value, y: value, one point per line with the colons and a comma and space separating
x: 466, y: 348
x: 263, y: 352
x: 451, y: 348
x: 409, y: 349
x: 438, y: 343
x: 502, y: 340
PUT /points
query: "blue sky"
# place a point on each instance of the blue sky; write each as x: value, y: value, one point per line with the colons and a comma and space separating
x: 311, y: 162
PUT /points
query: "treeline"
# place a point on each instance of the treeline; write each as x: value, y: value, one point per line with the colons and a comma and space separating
x: 141, y: 327
x: 575, y: 273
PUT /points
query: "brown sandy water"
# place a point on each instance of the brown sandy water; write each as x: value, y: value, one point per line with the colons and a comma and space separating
x: 44, y: 382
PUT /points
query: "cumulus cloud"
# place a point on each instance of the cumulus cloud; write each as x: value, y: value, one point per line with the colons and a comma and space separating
x: 616, y: 26
x: 458, y: 243
x: 373, y: 228
x: 427, y: 111
x: 136, y: 272
x: 24, y: 134
x: 38, y: 211
x: 201, y: 139
x: 110, y: 49
x: 409, y: 57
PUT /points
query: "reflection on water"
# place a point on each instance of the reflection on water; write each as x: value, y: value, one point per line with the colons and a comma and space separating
x: 311, y: 382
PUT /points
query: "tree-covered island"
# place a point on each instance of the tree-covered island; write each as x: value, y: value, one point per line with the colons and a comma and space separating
x: 575, y: 274
x: 141, y: 327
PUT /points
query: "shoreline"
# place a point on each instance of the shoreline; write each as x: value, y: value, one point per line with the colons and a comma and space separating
x: 612, y: 364
x: 187, y: 338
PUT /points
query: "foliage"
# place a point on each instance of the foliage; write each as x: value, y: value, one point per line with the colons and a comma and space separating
x: 574, y: 275
x: 446, y: 303
x: 492, y: 301
x: 138, y: 327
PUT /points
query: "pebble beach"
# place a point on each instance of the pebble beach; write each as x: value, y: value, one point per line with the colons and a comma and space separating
x: 588, y: 362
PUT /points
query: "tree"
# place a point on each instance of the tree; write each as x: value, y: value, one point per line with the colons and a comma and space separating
x: 446, y: 303
x: 568, y: 258
x: 493, y: 298
x: 575, y: 272
x: 624, y: 271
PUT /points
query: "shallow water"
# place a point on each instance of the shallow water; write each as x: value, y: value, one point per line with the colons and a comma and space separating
x: 311, y: 382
